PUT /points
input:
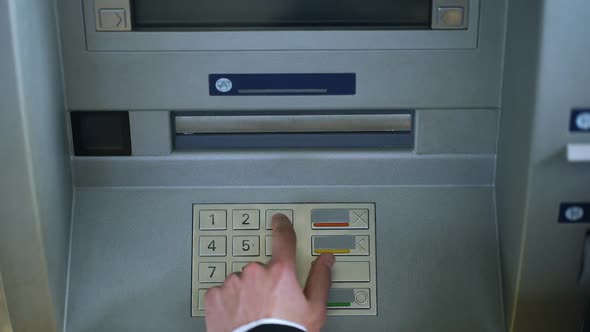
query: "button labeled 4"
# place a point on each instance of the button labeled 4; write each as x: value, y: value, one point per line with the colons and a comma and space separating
x: 212, y: 246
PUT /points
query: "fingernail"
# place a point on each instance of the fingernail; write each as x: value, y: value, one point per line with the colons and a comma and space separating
x: 279, y: 220
x: 279, y: 216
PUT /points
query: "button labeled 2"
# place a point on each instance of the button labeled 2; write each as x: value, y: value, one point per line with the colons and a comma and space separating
x: 246, y: 219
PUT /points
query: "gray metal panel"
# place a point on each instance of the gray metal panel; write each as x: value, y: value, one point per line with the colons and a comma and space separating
x: 366, y: 140
x: 515, y: 135
x: 330, y: 215
x: 386, y: 79
x: 296, y: 123
x: 334, y: 242
x: 551, y: 250
x: 341, y: 295
x: 298, y: 168
x: 456, y: 131
x: 151, y: 133
x: 36, y: 186
x: 440, y: 262
x: 547, y: 74
x: 5, y: 323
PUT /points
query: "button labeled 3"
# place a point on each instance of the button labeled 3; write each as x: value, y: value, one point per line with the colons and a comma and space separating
x: 270, y: 213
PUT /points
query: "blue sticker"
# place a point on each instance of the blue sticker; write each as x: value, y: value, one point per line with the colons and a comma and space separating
x: 282, y: 84
x: 574, y: 213
x: 580, y: 120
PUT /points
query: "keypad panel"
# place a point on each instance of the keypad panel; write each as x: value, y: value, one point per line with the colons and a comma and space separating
x: 226, y: 237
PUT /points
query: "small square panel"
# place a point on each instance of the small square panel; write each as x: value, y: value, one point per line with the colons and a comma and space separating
x: 113, y: 19
x: 452, y: 17
x: 101, y: 133
x: 580, y: 120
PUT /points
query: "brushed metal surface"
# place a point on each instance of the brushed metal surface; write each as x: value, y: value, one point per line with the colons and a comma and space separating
x: 293, y: 123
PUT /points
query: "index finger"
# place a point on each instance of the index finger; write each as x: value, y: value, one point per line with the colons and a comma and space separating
x: 284, y: 239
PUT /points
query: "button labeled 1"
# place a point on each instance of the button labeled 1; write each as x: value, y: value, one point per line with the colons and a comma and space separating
x: 246, y: 246
x: 212, y: 246
x: 246, y: 219
x: 211, y: 272
x: 212, y: 220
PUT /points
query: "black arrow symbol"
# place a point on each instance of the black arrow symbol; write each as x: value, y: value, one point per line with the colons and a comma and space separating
x: 120, y: 19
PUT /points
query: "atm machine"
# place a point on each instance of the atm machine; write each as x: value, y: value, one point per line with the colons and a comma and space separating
x: 439, y: 148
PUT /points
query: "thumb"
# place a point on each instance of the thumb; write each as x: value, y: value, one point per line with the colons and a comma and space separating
x: 319, y: 281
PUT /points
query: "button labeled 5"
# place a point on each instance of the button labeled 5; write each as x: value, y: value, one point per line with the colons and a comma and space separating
x: 212, y: 246
x: 212, y: 219
x: 246, y: 246
x: 246, y: 219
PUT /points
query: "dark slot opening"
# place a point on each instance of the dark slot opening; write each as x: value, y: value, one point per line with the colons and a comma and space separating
x: 101, y: 133
x: 281, y: 14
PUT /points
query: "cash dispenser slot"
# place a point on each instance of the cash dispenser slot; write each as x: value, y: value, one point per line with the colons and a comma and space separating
x: 295, y: 130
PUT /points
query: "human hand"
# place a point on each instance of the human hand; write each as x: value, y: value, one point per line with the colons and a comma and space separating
x: 272, y: 291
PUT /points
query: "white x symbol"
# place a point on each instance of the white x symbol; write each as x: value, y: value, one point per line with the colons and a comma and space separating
x: 359, y: 217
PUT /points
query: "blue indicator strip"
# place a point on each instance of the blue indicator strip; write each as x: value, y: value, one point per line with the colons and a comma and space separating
x: 282, y: 84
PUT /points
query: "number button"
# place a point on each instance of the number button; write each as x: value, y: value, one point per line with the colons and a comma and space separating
x: 211, y: 272
x: 268, y: 244
x: 212, y: 246
x: 270, y: 213
x: 246, y: 246
x: 201, y: 299
x: 246, y: 219
x: 212, y: 220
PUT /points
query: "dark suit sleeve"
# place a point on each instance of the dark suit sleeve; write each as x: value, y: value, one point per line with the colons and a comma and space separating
x: 274, y: 328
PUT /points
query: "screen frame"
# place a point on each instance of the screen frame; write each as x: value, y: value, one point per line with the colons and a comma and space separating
x: 283, y: 40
